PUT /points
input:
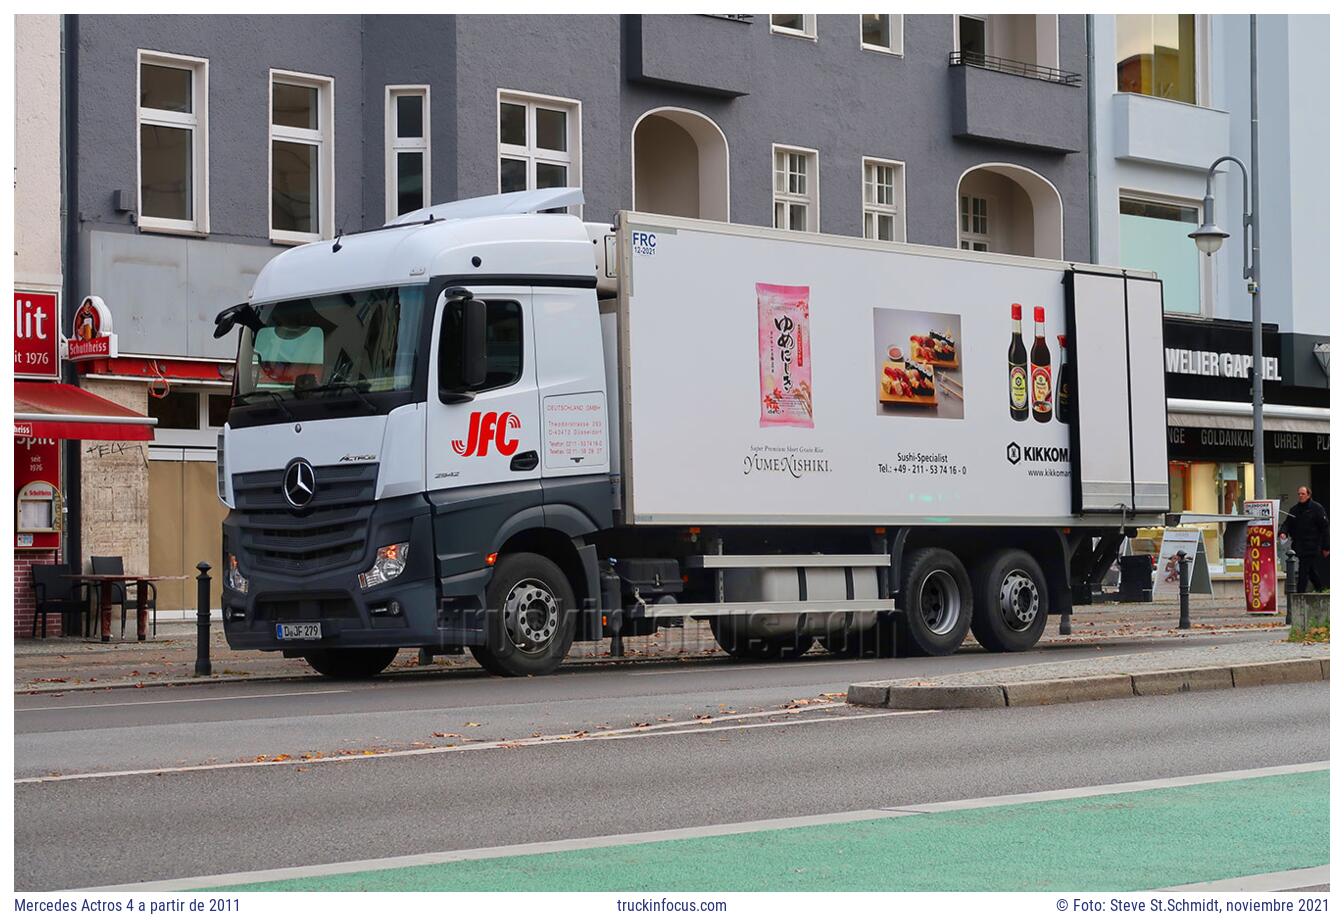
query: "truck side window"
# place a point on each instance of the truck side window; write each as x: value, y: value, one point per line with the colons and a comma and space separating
x: 503, y: 345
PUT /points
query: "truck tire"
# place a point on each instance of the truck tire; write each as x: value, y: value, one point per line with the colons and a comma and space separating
x: 1011, y: 598
x: 350, y: 663
x: 732, y: 638
x: 531, y: 608
x: 937, y: 603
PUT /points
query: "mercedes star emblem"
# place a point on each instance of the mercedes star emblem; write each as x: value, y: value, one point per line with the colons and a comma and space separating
x: 299, y: 483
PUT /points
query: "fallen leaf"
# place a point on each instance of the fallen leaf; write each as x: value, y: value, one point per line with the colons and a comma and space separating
x: 473, y: 725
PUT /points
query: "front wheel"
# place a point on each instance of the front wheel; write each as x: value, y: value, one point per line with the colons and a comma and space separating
x: 1010, y: 602
x: 530, y: 605
x: 350, y: 663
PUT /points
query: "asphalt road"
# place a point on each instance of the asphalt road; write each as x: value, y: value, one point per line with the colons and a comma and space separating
x: 676, y: 772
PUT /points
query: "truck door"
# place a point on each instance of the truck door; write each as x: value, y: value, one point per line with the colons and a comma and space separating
x: 488, y: 444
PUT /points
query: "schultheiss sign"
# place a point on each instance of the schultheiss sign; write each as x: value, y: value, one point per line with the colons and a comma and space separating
x: 91, y: 334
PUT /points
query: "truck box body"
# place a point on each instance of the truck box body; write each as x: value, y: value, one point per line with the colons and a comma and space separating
x: 698, y: 446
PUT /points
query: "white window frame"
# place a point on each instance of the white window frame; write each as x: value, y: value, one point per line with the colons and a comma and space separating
x: 198, y: 122
x: 967, y: 238
x: 812, y: 199
x: 897, y: 207
x: 202, y: 437
x: 323, y: 138
x: 571, y: 159
x: 895, y: 29
x: 809, y: 30
x: 1206, y: 265
x: 1203, y: 78
x: 395, y: 145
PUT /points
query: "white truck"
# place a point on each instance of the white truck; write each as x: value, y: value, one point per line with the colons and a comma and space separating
x: 488, y: 425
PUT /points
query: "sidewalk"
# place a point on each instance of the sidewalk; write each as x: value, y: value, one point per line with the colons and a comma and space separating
x: 55, y: 665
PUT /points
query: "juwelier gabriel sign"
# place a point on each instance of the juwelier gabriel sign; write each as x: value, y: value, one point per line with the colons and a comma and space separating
x: 1211, y: 359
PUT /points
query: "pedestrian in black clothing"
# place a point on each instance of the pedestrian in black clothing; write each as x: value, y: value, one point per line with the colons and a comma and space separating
x: 1309, y: 529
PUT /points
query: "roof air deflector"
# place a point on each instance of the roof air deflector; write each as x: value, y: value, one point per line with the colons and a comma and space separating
x: 528, y: 202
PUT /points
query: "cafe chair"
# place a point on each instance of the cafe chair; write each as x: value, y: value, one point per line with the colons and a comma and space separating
x: 122, y: 595
x: 53, y: 592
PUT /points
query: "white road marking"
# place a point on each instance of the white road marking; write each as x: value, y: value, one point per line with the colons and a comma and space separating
x: 190, y: 699
x: 640, y: 731
x: 1267, y: 881
x: 231, y: 879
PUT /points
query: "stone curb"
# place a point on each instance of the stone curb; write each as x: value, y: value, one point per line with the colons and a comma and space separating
x: 901, y: 695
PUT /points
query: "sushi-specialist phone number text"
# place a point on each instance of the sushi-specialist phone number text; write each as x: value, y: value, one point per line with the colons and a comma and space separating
x: 922, y: 469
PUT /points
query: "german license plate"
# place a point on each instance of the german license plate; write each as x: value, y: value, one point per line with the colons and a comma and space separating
x: 298, y: 630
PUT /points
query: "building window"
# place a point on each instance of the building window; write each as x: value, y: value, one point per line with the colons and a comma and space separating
x: 881, y: 32
x: 539, y: 142
x: 406, y: 121
x: 303, y: 185
x: 972, y: 40
x: 801, y: 25
x: 974, y: 223
x: 1155, y: 55
x: 1153, y: 235
x: 189, y: 417
x: 173, y: 143
x: 796, y: 199
x: 884, y: 200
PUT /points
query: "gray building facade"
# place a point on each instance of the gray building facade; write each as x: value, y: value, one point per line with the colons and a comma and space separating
x: 760, y: 86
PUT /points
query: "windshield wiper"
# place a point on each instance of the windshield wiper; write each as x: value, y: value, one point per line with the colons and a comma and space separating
x: 341, y: 385
x: 276, y: 397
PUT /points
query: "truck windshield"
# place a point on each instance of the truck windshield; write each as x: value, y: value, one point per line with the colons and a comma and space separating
x: 313, y: 347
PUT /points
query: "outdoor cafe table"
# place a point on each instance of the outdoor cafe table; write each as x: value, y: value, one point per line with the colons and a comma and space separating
x: 104, y: 584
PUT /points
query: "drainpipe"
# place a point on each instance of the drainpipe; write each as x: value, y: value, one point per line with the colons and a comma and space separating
x: 1094, y: 245
x: 74, y: 544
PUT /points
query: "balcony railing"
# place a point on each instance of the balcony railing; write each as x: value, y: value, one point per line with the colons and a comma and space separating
x: 1020, y: 68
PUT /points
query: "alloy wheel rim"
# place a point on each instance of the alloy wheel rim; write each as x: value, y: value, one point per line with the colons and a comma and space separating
x: 939, y: 602
x: 531, y: 615
x: 1019, y: 601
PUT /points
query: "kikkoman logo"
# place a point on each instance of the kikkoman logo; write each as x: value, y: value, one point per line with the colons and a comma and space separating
x: 1016, y: 453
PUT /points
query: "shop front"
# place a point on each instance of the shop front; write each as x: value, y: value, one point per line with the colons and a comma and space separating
x: 1209, y: 422
x: 46, y: 413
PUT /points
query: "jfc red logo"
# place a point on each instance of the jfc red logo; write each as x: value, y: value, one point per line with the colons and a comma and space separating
x: 487, y: 427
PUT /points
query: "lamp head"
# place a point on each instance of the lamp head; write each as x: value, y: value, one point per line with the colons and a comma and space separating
x: 1209, y: 237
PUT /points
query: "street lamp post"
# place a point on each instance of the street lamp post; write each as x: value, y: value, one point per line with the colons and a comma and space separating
x: 1209, y: 238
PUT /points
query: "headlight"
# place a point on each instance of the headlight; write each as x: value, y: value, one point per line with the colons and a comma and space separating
x: 387, y: 565
x: 234, y: 578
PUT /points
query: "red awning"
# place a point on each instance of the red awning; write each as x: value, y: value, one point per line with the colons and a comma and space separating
x: 59, y: 410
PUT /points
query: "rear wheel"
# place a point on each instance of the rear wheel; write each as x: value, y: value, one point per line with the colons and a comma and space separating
x: 530, y: 605
x: 936, y: 602
x: 350, y: 663
x: 731, y: 634
x: 1011, y: 598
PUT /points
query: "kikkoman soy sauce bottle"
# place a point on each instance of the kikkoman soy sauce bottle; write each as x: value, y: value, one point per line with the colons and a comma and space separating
x: 1017, y: 369
x: 1040, y: 372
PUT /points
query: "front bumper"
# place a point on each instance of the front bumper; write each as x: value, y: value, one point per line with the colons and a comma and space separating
x: 402, y: 613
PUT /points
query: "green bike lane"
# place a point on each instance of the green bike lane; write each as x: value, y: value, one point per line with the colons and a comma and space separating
x: 1129, y: 840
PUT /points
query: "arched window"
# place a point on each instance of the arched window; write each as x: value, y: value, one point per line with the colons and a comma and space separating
x: 679, y: 165
x: 1009, y: 209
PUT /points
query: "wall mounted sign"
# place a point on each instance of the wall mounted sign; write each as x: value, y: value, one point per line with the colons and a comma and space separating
x: 37, y: 317
x: 91, y: 335
x: 37, y: 495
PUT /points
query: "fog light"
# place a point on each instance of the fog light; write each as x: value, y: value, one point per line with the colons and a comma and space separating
x: 387, y: 565
x: 234, y: 578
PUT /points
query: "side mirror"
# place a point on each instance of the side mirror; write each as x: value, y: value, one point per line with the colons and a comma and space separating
x: 473, y: 344
x: 230, y: 317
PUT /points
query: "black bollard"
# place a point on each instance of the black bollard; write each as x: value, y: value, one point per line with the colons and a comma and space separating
x: 1289, y: 582
x: 203, y: 620
x: 1184, y: 569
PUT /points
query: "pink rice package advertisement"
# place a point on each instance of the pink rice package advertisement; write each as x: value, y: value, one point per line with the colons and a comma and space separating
x: 785, y: 343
